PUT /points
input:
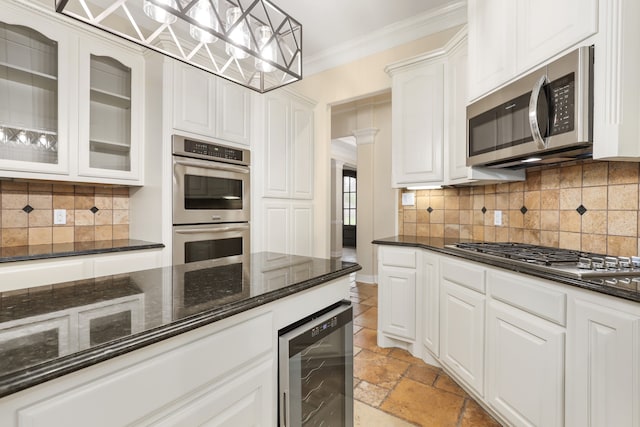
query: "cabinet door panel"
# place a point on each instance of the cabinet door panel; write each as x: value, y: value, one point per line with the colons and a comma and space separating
x: 277, y: 148
x: 418, y: 122
x: 431, y: 305
x: 547, y: 27
x: 398, y: 299
x: 603, y: 379
x: 194, y: 100
x: 302, y: 156
x: 302, y: 230
x: 491, y: 44
x: 277, y: 225
x: 525, y: 367
x: 234, y: 112
x: 456, y: 127
x: 462, y: 333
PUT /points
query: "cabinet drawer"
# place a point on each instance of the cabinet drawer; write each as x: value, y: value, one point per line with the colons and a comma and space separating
x: 529, y: 294
x: 465, y: 274
x: 399, y: 257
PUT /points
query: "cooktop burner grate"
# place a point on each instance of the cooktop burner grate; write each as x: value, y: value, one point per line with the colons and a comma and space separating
x: 533, y: 254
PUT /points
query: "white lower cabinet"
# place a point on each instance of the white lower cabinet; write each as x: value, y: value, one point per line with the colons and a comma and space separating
x: 603, y: 365
x: 525, y: 367
x: 462, y: 333
x: 430, y: 304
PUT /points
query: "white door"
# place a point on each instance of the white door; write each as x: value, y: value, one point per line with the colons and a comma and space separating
x: 233, y: 112
x: 547, y: 27
x: 398, y: 300
x: 277, y: 225
x: 277, y: 147
x: 462, y: 333
x: 418, y: 124
x: 525, y: 367
x: 194, y: 100
x: 492, y: 44
x: 456, y: 126
x: 302, y: 150
x: 430, y: 304
x: 603, y: 364
x: 302, y: 229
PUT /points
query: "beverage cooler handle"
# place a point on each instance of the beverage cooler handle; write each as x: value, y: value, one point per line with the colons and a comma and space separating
x: 533, y: 114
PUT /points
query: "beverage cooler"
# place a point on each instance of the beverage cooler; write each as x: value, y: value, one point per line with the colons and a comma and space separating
x: 316, y: 369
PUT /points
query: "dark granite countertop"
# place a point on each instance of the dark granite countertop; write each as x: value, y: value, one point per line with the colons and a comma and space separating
x: 59, y: 250
x: 108, y: 316
x: 631, y: 293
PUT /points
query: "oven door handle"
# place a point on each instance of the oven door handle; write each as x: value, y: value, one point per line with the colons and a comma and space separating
x: 212, y: 230
x: 212, y: 165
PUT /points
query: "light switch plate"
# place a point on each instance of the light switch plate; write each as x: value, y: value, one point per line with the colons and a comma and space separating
x: 408, y: 199
x: 497, y: 218
x: 59, y: 216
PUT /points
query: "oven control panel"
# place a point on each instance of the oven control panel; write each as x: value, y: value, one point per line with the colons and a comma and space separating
x: 190, y: 147
x: 212, y: 150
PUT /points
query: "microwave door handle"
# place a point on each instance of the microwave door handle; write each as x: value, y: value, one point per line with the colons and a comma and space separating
x: 212, y: 165
x: 533, y: 114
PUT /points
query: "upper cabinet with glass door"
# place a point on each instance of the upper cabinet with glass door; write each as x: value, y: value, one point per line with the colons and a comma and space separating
x: 34, y: 72
x: 110, y: 112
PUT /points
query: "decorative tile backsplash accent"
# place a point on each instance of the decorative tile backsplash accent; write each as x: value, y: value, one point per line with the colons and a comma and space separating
x: 93, y: 213
x: 590, y: 206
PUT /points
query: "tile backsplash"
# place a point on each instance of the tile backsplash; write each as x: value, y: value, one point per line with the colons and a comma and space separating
x: 93, y: 213
x: 590, y: 206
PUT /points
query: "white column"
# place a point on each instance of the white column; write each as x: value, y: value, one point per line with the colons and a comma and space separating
x: 336, y: 208
x: 365, y: 139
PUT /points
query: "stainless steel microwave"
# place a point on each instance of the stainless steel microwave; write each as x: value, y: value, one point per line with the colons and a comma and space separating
x: 543, y: 117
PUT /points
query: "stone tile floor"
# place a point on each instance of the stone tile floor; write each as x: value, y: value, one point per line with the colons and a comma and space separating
x: 393, y: 388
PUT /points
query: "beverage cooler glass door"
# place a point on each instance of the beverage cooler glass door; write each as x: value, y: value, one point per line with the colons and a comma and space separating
x: 316, y: 370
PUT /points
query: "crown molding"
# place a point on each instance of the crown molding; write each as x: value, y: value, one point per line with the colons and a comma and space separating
x: 430, y: 22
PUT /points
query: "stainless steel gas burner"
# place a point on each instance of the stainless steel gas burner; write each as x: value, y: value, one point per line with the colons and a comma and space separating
x: 565, y: 262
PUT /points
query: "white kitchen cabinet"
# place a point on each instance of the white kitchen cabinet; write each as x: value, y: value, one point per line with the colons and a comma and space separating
x: 492, y: 44
x: 508, y: 38
x: 430, y: 309
x: 74, y: 102
x: 288, y: 147
x: 462, y: 316
x: 210, y: 106
x: 417, y: 121
x: 37, y: 86
x: 525, y: 367
x: 110, y: 112
x: 398, y: 277
x: 603, y: 360
x: 288, y: 227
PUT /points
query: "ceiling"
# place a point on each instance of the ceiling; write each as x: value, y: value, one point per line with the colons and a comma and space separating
x: 353, y: 28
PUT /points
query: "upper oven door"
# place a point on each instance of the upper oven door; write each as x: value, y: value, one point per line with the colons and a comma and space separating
x: 208, y: 192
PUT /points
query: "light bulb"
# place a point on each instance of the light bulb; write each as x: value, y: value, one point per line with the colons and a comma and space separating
x: 3, y: 135
x: 240, y: 34
x: 22, y: 138
x: 204, y: 15
x: 267, y: 49
x: 159, y: 14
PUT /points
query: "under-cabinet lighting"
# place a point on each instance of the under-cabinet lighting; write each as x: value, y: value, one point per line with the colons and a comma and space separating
x: 250, y: 42
x: 425, y: 187
x: 531, y: 160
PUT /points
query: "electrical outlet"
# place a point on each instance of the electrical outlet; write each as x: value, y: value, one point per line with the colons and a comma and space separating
x: 59, y: 216
x: 497, y: 218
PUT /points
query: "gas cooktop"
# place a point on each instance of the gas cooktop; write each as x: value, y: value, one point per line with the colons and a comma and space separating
x: 564, y: 262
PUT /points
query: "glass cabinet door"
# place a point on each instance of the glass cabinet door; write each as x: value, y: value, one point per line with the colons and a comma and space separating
x: 110, y: 119
x: 109, y: 114
x: 29, y: 98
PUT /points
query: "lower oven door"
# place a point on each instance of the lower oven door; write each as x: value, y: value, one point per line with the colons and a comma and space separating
x: 228, y: 242
x: 316, y: 370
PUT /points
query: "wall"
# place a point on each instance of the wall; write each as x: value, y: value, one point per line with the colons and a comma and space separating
x: 357, y: 79
x: 609, y: 192
x: 19, y: 228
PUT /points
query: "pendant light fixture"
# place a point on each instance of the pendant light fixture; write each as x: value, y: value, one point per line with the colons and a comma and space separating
x: 203, y: 14
x: 251, y: 42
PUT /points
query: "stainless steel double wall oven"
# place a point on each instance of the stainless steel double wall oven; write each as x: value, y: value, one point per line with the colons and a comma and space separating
x: 211, y: 202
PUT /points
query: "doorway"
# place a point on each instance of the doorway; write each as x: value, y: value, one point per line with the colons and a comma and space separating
x: 349, y: 206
